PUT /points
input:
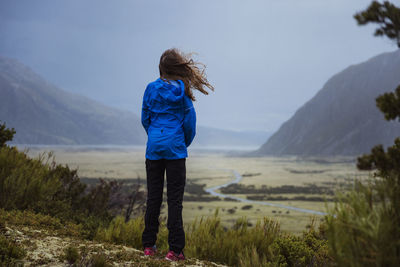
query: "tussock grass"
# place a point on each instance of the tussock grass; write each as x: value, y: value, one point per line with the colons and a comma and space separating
x: 241, y: 245
x: 361, y: 227
x: 40, y: 221
x: 10, y: 252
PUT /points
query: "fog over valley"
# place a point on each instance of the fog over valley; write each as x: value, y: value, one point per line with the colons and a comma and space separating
x: 265, y: 58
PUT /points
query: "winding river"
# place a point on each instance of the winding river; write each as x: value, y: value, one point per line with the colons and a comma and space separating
x: 237, y: 179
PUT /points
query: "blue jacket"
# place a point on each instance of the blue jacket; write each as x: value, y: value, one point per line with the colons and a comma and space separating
x: 169, y: 118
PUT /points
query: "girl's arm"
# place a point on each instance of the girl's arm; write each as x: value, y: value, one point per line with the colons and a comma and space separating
x: 145, y: 112
x: 189, y: 122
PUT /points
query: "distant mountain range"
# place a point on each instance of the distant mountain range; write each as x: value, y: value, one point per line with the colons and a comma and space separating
x: 342, y: 118
x: 42, y: 113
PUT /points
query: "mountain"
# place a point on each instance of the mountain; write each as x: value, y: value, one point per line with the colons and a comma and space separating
x: 342, y: 118
x: 41, y: 113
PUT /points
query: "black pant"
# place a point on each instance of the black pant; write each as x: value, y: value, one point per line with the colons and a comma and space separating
x: 176, y: 179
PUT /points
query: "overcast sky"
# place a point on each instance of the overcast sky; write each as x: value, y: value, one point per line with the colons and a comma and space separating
x: 266, y: 58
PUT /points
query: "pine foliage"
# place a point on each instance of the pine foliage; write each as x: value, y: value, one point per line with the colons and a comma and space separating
x: 387, y: 15
x: 5, y: 134
x: 364, y: 228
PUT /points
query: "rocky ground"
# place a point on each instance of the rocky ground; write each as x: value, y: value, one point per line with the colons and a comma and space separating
x: 46, y: 248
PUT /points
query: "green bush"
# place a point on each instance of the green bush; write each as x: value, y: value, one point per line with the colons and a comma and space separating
x: 98, y: 260
x: 71, y: 254
x: 362, y: 230
x: 310, y: 249
x: 25, y: 183
x: 207, y: 239
x: 10, y: 252
x: 5, y: 134
x: 121, y: 232
x: 42, y: 186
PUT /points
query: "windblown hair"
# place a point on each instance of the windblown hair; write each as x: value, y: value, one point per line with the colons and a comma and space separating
x: 176, y: 65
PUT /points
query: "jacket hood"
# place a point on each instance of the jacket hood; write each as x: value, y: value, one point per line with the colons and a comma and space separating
x: 171, y: 91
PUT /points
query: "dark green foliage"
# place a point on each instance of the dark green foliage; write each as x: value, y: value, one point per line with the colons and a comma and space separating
x: 283, y: 198
x: 386, y: 15
x: 44, y: 187
x: 5, y: 134
x: 385, y: 162
x: 10, y: 252
x: 362, y: 230
x: 307, y: 250
x: 98, y: 260
x: 389, y: 104
x: 284, y: 189
x: 383, y: 194
x: 377, y: 203
x: 25, y: 183
x: 364, y: 227
x: 231, y: 211
x: 71, y: 254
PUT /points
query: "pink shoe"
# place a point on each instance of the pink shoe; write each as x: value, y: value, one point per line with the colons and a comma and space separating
x: 172, y: 256
x: 150, y: 251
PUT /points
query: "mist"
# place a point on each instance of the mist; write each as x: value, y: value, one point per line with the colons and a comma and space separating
x: 264, y: 58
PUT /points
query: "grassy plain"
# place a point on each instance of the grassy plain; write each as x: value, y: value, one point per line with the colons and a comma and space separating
x: 213, y: 168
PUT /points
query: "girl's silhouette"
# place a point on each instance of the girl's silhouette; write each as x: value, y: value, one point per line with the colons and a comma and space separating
x: 169, y: 118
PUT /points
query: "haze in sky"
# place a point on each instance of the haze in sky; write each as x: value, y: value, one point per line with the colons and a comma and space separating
x: 266, y: 58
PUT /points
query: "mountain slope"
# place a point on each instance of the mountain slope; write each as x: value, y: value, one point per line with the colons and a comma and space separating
x: 342, y: 118
x: 41, y: 113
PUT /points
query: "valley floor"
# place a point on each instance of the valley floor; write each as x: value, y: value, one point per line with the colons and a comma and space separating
x: 213, y: 168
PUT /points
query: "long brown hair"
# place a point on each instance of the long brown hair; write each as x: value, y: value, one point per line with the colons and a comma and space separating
x: 176, y: 65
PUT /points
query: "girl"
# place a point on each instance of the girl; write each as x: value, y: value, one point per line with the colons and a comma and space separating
x: 169, y: 118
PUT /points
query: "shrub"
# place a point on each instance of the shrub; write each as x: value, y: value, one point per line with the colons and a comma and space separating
x: 308, y: 250
x: 231, y: 211
x: 362, y: 230
x: 5, y: 134
x: 208, y: 239
x: 42, y: 186
x: 98, y: 260
x: 121, y: 232
x: 10, y: 252
x: 130, y: 233
x: 249, y: 257
x: 24, y: 183
x: 71, y: 254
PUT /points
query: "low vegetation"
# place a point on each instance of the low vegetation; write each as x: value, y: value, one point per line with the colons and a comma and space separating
x: 10, y: 252
x: 208, y: 239
x: 71, y: 254
x: 284, y: 189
